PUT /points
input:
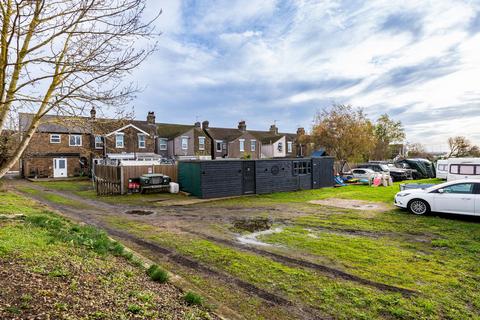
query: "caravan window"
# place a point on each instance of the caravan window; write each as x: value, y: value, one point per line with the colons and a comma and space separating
x: 442, y: 167
x: 465, y: 169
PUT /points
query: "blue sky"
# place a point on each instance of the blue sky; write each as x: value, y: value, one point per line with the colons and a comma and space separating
x: 266, y: 60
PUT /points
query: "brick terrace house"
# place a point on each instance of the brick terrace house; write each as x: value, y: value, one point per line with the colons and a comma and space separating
x: 66, y: 146
x: 183, y: 141
x: 232, y: 143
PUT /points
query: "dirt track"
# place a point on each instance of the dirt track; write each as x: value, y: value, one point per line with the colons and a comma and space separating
x: 188, y: 219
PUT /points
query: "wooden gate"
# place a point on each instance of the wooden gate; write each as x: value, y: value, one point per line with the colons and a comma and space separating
x: 108, y: 180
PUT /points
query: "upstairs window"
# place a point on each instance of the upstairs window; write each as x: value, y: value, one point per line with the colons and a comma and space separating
x: 141, y: 141
x: 242, y: 145
x: 218, y: 145
x: 98, y: 142
x: 75, y: 140
x: 55, y: 138
x: 119, y: 140
x: 289, y: 146
x: 184, y: 143
x: 201, y: 143
x: 253, y: 145
x: 280, y: 147
x: 162, y: 144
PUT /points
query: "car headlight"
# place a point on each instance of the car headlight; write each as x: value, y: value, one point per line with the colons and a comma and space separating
x: 402, y: 194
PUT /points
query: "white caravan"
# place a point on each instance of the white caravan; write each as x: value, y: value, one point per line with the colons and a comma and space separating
x: 463, y: 168
x: 442, y: 169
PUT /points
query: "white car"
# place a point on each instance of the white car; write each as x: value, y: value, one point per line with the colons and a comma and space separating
x: 362, y: 173
x: 458, y: 197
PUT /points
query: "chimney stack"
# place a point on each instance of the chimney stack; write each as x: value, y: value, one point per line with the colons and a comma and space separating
x: 205, y: 124
x: 273, y: 129
x: 242, y: 126
x: 151, y: 117
x: 197, y: 124
x: 93, y: 113
x: 300, y: 131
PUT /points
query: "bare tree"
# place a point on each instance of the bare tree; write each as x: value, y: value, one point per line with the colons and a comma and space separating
x: 65, y: 56
x: 462, y: 147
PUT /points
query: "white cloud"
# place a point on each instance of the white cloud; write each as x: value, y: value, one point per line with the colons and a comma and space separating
x: 252, y: 57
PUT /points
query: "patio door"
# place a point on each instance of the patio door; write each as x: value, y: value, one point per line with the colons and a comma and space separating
x: 59, y: 167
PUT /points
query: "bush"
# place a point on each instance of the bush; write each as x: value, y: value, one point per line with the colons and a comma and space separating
x: 157, y: 274
x: 192, y: 298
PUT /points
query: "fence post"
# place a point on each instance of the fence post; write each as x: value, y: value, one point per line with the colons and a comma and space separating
x: 122, y: 187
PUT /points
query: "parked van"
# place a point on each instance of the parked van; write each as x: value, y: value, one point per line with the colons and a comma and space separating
x: 463, y: 168
x: 442, y: 169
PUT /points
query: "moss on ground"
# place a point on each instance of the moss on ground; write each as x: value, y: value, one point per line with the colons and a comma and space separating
x: 53, y: 267
x: 447, y: 289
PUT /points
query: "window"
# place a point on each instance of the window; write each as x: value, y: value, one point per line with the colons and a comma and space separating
x: 201, y: 143
x: 162, y: 144
x: 184, y: 143
x: 253, y: 145
x: 218, y: 145
x: 463, y: 188
x: 98, y: 142
x: 289, y: 146
x: 119, y: 140
x: 465, y: 169
x: 55, y: 138
x: 242, y: 145
x: 141, y: 140
x: 280, y: 147
x: 75, y: 140
x: 442, y: 167
x: 302, y: 167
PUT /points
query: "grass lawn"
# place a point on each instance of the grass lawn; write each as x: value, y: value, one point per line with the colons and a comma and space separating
x: 52, y: 267
x: 86, y: 190
x: 358, y: 192
x: 436, y: 257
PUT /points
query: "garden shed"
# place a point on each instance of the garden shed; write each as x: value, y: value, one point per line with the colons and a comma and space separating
x: 222, y: 178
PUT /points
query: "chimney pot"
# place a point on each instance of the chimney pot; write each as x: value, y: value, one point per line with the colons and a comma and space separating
x: 205, y: 124
x: 151, y: 117
x: 242, y: 126
x: 300, y: 131
x: 273, y: 129
x: 197, y: 124
x: 93, y: 113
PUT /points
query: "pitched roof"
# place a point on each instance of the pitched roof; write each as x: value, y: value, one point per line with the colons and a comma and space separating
x: 269, y: 137
x: 227, y: 134
x: 70, y: 124
x: 171, y: 130
x: 57, y: 124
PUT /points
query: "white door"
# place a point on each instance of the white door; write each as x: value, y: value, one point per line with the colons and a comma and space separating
x: 59, y: 167
x: 457, y: 198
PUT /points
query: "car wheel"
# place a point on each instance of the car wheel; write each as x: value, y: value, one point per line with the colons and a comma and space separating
x: 418, y: 206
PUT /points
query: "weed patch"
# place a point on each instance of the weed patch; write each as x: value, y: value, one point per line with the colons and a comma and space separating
x: 193, y: 298
x: 157, y: 274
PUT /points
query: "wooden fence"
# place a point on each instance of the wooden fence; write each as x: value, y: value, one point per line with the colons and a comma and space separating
x: 112, y: 180
x: 108, y: 180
